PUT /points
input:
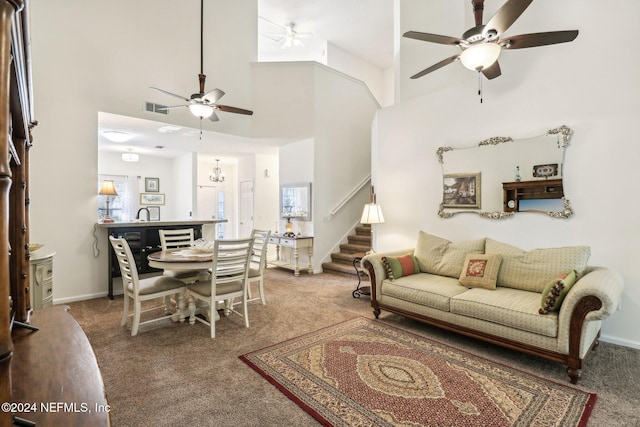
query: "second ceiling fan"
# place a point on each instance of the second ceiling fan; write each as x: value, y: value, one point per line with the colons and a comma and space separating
x: 481, y: 45
x: 204, y: 104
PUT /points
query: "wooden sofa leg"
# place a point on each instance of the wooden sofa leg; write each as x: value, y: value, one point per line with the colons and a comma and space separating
x: 574, y: 374
x: 376, y: 312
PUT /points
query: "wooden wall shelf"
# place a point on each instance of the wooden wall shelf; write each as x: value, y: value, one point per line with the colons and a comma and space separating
x: 513, y: 192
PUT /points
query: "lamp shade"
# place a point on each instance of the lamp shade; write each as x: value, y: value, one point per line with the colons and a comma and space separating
x: 477, y: 57
x: 372, y: 214
x: 108, y: 189
x: 201, y: 110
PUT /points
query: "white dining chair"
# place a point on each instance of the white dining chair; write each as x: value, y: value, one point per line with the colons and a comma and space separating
x: 177, y: 239
x: 229, y: 278
x: 258, y: 263
x: 139, y: 290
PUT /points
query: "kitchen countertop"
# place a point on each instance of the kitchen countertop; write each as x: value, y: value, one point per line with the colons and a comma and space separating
x: 159, y: 223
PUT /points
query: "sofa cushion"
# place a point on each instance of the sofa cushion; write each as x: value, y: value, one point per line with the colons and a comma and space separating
x: 513, y: 308
x: 440, y: 256
x: 398, y: 266
x: 426, y: 289
x: 480, y: 271
x: 531, y: 270
x: 555, y: 291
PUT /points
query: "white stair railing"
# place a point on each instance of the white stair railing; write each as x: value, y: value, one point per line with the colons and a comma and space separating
x: 347, y: 198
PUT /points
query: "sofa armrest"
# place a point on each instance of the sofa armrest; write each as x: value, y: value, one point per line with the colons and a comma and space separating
x: 376, y: 270
x: 600, y: 282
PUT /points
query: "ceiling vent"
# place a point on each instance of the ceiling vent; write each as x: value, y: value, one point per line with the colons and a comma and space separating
x: 156, y: 108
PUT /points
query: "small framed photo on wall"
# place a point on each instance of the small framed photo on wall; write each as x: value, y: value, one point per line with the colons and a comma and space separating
x: 461, y: 190
x: 152, y: 185
x: 154, y: 213
x: 151, y: 198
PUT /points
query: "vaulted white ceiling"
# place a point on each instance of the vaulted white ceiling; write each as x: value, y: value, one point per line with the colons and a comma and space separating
x: 364, y: 28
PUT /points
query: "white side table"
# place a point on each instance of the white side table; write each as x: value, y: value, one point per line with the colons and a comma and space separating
x: 295, y: 243
x: 41, y: 286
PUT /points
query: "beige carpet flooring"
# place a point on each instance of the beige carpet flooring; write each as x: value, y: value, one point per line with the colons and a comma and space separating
x: 175, y: 374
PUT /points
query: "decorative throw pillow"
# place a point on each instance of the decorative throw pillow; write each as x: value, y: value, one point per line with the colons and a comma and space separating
x: 440, y: 256
x: 480, y: 270
x: 398, y: 266
x: 555, y: 291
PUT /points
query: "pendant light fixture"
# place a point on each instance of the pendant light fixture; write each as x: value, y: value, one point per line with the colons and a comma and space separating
x: 216, y: 174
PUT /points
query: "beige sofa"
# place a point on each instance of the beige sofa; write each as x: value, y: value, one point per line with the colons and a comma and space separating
x: 501, y: 301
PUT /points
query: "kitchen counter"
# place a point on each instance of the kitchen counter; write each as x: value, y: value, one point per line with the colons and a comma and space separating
x: 143, y: 238
x: 159, y: 223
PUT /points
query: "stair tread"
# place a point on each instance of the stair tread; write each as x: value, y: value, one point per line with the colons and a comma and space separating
x: 342, y: 268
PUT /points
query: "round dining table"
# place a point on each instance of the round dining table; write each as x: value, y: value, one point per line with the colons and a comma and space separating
x: 183, y: 259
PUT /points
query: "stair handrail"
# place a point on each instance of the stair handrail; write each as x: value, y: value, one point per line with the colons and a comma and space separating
x: 348, y: 197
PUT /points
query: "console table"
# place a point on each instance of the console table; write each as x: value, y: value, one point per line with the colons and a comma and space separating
x: 296, y: 244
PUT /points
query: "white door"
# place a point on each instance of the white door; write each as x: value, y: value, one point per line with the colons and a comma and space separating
x: 211, y: 205
x: 246, y: 208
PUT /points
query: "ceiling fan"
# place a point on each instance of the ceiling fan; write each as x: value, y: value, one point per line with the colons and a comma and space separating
x: 288, y: 36
x: 204, y: 104
x: 481, y: 45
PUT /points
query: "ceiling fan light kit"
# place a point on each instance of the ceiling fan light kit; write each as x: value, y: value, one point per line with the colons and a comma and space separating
x: 482, y: 45
x: 201, y: 110
x: 478, y: 57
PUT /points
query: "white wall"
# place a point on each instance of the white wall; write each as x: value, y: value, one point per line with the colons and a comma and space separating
x: 83, y: 65
x: 374, y: 77
x: 594, y: 94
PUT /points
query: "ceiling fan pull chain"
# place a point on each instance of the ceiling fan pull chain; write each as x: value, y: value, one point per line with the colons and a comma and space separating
x: 480, y: 86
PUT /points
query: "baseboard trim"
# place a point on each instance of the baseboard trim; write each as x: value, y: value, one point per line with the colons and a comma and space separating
x: 615, y: 340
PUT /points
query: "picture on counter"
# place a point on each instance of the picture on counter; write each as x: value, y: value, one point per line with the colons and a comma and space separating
x: 151, y: 198
x: 154, y: 213
x: 461, y: 190
x: 152, y: 185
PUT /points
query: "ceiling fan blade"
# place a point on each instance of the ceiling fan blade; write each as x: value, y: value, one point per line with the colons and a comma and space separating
x: 213, y: 117
x: 169, y: 93
x: 507, y: 15
x: 236, y: 110
x: 168, y: 107
x: 433, y: 38
x: 493, y: 71
x: 539, y: 39
x: 436, y: 66
x: 214, y: 95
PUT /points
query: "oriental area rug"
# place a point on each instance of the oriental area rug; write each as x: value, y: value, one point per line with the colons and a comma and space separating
x: 363, y: 372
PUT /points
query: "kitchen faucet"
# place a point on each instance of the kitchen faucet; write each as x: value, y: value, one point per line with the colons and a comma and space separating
x: 148, y: 213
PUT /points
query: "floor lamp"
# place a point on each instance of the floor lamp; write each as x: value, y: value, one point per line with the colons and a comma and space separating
x: 108, y: 189
x: 372, y: 214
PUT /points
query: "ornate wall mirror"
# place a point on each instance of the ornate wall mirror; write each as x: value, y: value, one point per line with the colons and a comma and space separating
x: 501, y: 176
x: 295, y: 201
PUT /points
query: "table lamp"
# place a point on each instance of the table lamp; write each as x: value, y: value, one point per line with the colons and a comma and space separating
x: 108, y: 189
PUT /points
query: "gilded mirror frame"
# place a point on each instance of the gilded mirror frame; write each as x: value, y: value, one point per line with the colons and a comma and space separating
x: 447, y: 209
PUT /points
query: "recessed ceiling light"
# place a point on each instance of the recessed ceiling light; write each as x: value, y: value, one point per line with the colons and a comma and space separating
x: 117, y: 135
x: 169, y: 129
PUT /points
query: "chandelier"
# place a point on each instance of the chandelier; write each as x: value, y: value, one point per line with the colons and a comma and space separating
x: 216, y: 174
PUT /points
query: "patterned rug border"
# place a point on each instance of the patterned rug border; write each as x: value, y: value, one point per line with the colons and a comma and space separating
x: 588, y: 408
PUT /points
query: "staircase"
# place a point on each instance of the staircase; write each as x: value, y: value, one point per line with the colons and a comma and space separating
x: 357, y: 244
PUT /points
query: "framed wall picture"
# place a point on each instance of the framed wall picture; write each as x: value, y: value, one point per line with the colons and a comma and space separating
x: 461, y: 190
x: 152, y: 199
x: 154, y: 213
x: 152, y: 185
